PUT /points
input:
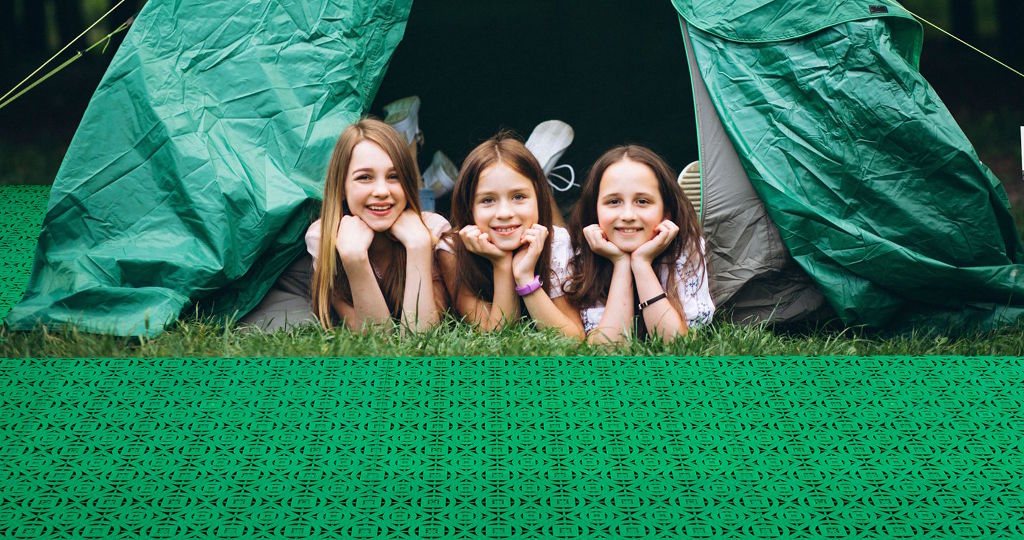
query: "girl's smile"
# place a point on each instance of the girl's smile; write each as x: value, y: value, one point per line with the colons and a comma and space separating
x: 373, y: 190
x: 629, y: 204
x: 504, y: 206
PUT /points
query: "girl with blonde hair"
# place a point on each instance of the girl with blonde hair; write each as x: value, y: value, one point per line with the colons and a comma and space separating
x: 373, y: 248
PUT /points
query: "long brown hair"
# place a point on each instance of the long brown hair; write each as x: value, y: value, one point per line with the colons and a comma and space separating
x: 329, y: 278
x: 590, y: 272
x: 474, y: 271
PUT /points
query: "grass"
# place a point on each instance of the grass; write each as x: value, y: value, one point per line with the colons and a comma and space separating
x: 207, y: 337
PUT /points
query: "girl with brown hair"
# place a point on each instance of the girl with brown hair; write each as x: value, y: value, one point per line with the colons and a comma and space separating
x: 638, y: 250
x: 506, y: 260
x: 372, y: 248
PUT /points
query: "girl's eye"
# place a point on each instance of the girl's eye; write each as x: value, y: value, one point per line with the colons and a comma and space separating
x: 485, y: 200
x: 643, y: 201
x: 612, y: 202
x: 393, y: 178
x: 518, y: 197
x: 363, y: 178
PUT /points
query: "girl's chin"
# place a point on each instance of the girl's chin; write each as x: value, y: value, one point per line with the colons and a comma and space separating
x: 380, y: 223
x: 627, y: 247
x: 510, y: 245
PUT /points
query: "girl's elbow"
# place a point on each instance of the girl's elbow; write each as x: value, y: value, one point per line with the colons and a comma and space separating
x: 599, y: 336
x: 575, y: 334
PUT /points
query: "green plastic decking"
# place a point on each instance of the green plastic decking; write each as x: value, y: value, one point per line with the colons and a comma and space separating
x: 512, y: 448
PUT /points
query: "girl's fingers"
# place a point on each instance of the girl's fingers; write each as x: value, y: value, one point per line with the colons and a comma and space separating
x: 670, y: 229
x: 594, y: 235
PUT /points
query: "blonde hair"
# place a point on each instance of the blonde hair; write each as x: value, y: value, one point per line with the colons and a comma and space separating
x: 328, y: 281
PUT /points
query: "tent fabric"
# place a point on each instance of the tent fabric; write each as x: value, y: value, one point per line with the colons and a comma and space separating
x: 766, y: 21
x: 753, y: 277
x: 201, y: 157
x: 876, y: 192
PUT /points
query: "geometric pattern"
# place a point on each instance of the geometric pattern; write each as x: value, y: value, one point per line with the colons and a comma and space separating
x: 537, y: 447
x: 22, y: 209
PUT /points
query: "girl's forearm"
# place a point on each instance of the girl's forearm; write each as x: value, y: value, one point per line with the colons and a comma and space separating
x: 543, y: 310
x: 419, y: 309
x: 660, y: 317
x: 618, y: 309
x: 367, y: 299
x: 504, y: 304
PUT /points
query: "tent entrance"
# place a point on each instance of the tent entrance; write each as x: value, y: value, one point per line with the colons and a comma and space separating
x: 615, y: 75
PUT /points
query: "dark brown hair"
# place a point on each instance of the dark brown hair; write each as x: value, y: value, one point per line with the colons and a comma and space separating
x: 474, y: 271
x: 329, y: 277
x: 591, y: 273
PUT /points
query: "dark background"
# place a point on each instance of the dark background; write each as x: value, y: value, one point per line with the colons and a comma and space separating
x: 615, y: 74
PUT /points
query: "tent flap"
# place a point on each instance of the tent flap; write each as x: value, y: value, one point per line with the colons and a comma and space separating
x: 200, y: 158
x: 876, y: 192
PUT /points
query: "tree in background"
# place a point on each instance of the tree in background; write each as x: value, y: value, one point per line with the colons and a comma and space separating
x: 964, y: 19
x: 1010, y: 14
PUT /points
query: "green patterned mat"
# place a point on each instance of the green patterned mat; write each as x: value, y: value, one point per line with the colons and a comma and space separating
x: 512, y: 448
x: 21, y: 214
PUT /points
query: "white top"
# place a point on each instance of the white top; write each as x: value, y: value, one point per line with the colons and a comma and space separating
x: 561, y: 252
x: 436, y: 223
x: 693, y: 292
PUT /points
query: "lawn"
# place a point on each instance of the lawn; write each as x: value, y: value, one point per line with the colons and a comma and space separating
x: 193, y: 337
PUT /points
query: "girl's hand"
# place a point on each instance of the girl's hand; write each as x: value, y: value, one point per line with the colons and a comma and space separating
x: 477, y: 242
x: 410, y: 230
x: 601, y: 245
x: 524, y: 261
x: 354, y: 239
x: 666, y: 232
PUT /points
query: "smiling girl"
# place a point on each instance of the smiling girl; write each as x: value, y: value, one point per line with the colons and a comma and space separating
x: 639, y: 250
x: 372, y: 248
x: 506, y: 260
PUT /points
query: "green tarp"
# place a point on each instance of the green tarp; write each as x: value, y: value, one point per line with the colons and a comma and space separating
x: 201, y: 156
x: 875, y: 190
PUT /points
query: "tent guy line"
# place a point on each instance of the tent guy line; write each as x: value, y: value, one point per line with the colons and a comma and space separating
x: 4, y: 101
x: 972, y: 47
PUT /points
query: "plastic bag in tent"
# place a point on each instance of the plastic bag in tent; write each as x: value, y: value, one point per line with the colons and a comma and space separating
x: 201, y: 157
x: 875, y: 190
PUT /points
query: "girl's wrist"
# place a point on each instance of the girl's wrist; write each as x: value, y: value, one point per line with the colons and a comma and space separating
x: 624, y: 262
x: 355, y: 262
x: 528, y: 286
x: 523, y: 278
x: 637, y: 262
x: 418, y: 247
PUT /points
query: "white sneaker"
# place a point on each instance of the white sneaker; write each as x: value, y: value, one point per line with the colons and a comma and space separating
x: 440, y: 175
x: 548, y: 142
x: 404, y: 115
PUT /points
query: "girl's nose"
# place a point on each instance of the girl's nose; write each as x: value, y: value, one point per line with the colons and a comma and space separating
x: 504, y: 208
x: 380, y: 187
x: 628, y: 211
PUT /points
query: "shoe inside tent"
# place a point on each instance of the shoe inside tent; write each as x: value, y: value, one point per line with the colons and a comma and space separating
x: 199, y: 162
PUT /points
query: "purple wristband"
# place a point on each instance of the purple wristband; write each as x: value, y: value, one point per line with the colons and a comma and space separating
x: 524, y: 290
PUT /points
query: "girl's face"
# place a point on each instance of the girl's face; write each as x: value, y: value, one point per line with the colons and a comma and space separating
x: 504, y: 206
x: 373, y: 190
x: 629, y: 204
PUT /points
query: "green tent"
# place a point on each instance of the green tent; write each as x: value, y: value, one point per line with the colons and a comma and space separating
x: 834, y: 180
x: 201, y: 157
